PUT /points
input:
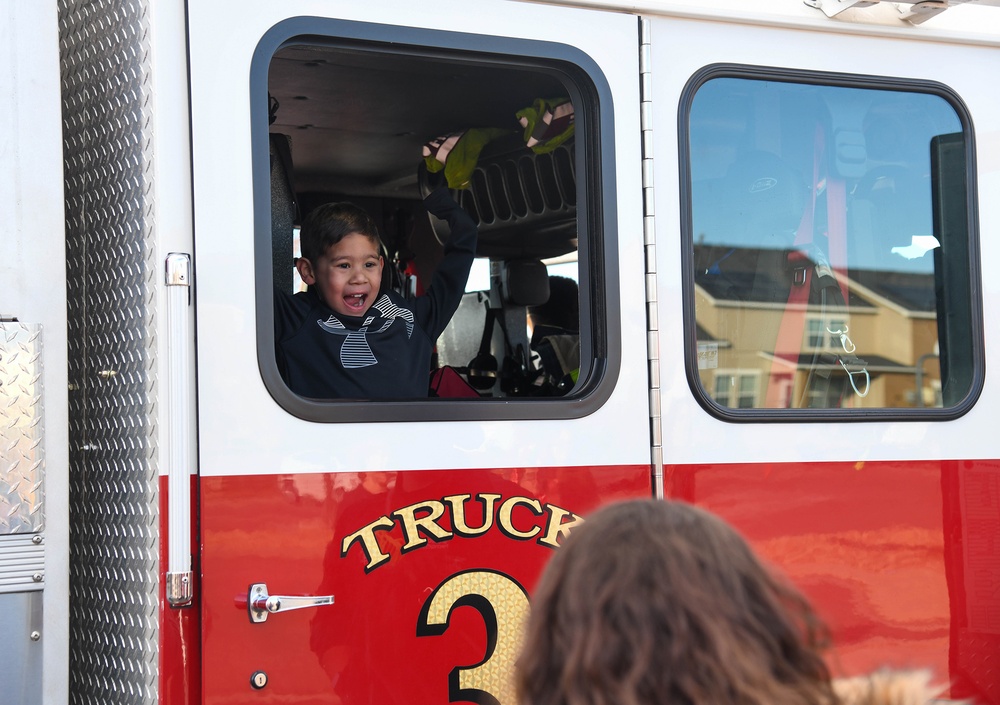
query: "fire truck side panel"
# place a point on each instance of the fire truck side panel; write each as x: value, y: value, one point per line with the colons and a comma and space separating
x: 222, y: 164
x: 425, y: 534
x: 780, y: 225
x: 692, y: 435
x: 430, y: 608
x: 886, y: 519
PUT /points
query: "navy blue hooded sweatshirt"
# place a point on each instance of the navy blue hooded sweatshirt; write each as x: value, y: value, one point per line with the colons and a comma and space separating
x: 385, y: 354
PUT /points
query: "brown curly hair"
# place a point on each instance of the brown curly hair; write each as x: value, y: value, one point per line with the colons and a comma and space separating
x: 658, y: 602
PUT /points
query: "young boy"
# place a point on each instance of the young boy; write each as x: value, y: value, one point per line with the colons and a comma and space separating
x: 345, y: 337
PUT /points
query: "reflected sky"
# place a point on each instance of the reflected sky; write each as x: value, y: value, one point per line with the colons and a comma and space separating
x: 764, y: 155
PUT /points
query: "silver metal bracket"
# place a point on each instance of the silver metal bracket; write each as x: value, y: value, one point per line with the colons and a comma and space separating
x: 180, y: 589
x: 918, y: 11
x: 832, y: 8
x: 178, y: 269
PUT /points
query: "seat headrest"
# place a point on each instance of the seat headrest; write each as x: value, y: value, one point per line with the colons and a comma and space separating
x: 525, y: 282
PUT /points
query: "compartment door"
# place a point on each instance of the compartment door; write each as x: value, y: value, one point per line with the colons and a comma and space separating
x: 373, y: 552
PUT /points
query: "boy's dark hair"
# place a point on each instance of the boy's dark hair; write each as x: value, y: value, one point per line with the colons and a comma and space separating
x: 329, y: 223
x: 562, y: 309
x: 653, y: 601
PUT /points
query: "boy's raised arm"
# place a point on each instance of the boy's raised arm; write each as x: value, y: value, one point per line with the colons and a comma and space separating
x: 448, y: 283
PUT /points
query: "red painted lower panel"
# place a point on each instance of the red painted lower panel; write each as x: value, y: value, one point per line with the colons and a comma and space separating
x: 427, y: 601
x: 901, y: 559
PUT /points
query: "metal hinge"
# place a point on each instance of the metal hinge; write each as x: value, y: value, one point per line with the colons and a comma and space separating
x: 649, y: 246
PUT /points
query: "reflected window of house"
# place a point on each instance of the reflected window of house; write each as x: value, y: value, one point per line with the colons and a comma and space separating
x: 737, y: 390
x: 823, y: 333
x: 830, y: 244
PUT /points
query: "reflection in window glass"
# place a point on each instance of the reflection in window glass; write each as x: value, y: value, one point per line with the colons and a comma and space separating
x: 735, y: 389
x: 823, y: 333
x: 830, y: 246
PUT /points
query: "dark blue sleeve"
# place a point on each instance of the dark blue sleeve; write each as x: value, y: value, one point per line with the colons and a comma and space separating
x: 441, y: 299
x: 289, y: 313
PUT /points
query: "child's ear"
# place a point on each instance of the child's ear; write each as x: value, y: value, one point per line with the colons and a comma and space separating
x: 305, y: 270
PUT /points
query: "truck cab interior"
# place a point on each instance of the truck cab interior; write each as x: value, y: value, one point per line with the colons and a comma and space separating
x: 349, y: 121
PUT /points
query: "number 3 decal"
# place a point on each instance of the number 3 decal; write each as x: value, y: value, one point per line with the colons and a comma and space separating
x: 503, y: 605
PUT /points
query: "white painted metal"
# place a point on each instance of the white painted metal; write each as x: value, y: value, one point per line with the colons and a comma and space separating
x: 243, y: 431
x: 968, y: 22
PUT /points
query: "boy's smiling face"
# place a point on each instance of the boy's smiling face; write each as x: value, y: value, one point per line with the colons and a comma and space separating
x: 348, y: 275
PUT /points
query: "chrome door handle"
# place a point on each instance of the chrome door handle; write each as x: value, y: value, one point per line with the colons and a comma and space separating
x: 260, y: 604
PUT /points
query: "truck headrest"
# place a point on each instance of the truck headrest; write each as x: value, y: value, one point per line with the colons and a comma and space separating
x: 525, y: 282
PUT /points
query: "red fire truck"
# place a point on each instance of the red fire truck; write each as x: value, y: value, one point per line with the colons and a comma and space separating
x: 776, y: 215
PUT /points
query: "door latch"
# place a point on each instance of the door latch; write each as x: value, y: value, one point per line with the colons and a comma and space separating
x: 260, y: 604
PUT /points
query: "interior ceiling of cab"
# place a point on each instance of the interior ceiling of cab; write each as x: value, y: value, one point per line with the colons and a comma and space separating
x: 358, y: 119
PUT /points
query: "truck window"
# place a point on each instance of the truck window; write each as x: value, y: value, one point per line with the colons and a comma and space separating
x: 830, y: 246
x: 355, y: 119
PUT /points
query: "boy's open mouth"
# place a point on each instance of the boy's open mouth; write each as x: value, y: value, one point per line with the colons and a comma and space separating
x: 355, y: 301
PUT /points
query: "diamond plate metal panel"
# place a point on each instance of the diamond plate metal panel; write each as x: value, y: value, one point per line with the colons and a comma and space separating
x: 21, y: 460
x: 111, y: 279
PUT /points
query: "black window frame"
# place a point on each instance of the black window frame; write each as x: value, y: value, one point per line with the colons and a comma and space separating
x: 975, y: 310
x: 600, y: 323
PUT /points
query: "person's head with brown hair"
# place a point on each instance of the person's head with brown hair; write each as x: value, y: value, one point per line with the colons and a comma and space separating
x: 658, y: 602
x: 341, y: 257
